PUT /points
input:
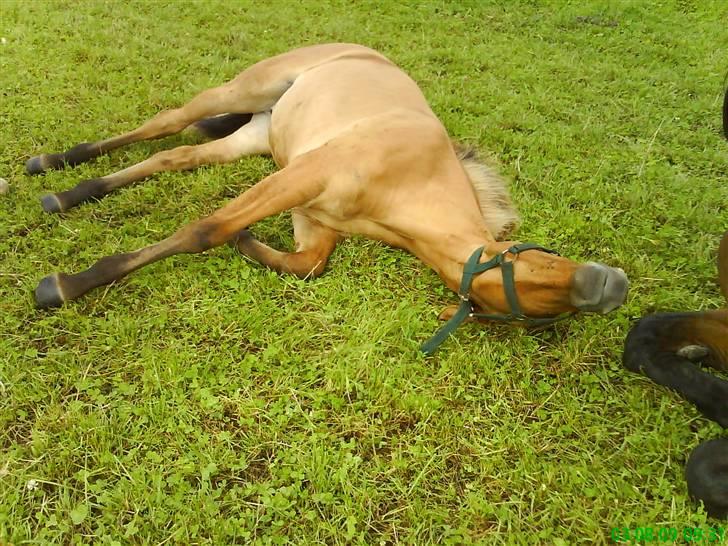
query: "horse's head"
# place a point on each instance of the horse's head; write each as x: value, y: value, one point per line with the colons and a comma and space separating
x: 526, y: 283
x: 545, y: 284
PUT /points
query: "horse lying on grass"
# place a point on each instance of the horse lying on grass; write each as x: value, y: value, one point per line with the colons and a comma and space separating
x: 664, y: 346
x: 360, y: 152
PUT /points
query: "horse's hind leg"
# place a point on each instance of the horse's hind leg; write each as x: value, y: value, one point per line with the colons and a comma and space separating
x: 211, y: 102
x: 314, y: 245
x: 251, y: 138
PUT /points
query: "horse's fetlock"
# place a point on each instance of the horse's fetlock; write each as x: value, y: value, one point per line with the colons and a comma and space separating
x: 93, y: 187
x: 79, y: 154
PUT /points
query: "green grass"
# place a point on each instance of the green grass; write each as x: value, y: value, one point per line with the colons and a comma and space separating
x: 206, y: 400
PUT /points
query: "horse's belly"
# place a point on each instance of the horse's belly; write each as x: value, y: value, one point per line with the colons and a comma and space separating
x: 365, y: 227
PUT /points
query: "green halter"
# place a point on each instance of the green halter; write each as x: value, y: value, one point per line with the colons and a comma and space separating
x: 472, y: 268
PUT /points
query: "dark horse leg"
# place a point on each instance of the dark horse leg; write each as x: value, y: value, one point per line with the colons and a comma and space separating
x: 662, y: 346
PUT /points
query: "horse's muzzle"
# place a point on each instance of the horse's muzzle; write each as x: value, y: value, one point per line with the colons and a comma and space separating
x: 598, y: 288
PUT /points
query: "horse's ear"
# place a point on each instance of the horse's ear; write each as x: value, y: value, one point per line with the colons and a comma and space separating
x: 449, y: 311
x: 723, y: 266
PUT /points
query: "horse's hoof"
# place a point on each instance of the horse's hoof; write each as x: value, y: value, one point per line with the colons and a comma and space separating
x: 51, y: 203
x: 707, y: 475
x: 48, y: 293
x: 35, y: 165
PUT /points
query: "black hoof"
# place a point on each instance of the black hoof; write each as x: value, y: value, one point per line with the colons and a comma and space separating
x: 707, y: 476
x: 48, y: 293
x: 51, y: 203
x: 35, y: 165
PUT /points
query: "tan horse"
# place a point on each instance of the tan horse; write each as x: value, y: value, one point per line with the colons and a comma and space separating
x: 360, y: 152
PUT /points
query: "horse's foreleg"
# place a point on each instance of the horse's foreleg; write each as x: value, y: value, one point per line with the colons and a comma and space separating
x: 293, y: 186
x: 662, y: 346
x: 314, y: 245
x: 250, y: 139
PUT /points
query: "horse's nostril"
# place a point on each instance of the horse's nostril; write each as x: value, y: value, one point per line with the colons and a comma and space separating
x: 588, y: 286
x: 597, y: 288
x: 616, y: 289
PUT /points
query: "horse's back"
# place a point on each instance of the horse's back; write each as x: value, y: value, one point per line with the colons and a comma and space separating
x: 340, y: 95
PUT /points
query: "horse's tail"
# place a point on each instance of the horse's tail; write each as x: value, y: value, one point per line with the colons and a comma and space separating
x: 222, y: 125
x: 492, y: 192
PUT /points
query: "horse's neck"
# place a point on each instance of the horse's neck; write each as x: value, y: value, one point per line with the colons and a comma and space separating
x: 448, y: 255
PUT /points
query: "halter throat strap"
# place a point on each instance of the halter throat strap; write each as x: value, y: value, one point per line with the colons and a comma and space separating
x: 472, y: 268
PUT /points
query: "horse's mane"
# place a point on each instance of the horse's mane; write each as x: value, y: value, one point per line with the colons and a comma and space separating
x: 491, y: 190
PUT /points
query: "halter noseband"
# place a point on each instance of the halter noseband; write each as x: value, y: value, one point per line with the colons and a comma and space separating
x: 472, y: 268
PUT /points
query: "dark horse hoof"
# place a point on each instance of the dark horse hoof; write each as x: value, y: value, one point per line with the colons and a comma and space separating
x: 49, y: 294
x: 35, y: 165
x: 50, y: 203
x: 707, y: 476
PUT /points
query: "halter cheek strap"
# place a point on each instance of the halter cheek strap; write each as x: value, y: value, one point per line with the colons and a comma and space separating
x: 465, y: 310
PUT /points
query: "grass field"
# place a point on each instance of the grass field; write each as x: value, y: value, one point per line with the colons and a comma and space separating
x: 206, y: 400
